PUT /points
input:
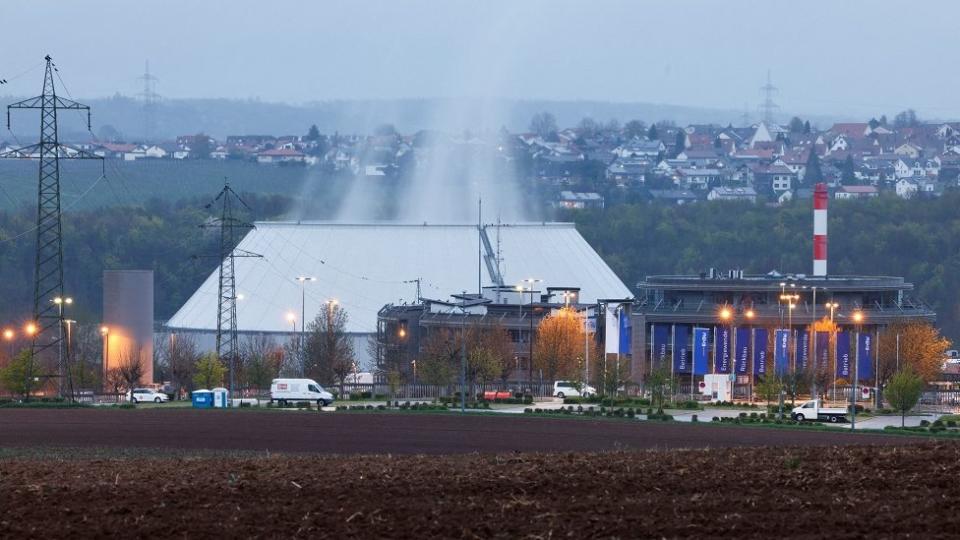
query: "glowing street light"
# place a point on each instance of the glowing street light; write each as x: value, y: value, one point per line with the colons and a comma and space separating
x: 725, y: 314
x: 8, y: 334
x: 30, y: 329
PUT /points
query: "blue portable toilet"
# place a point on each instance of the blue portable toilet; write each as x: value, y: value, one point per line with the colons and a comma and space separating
x: 220, y: 397
x: 202, y: 399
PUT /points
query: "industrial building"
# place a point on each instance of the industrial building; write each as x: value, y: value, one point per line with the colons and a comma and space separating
x: 741, y: 326
x: 364, y: 266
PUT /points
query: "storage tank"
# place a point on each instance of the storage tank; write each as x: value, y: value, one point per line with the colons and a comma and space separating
x: 128, y: 320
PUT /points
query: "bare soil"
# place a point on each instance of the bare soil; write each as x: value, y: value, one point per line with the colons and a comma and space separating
x: 812, y: 492
x: 378, y: 433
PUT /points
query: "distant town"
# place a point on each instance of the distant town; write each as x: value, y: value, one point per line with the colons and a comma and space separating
x: 585, y: 165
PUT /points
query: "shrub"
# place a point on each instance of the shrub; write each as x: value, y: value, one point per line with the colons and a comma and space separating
x: 951, y: 423
x: 693, y: 418
x: 715, y: 419
x: 924, y: 423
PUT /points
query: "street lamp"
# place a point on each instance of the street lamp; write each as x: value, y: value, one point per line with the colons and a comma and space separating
x: 8, y: 335
x: 303, y: 305
x: 530, y: 283
x: 105, y: 332
x: 858, y: 320
x: 60, y: 303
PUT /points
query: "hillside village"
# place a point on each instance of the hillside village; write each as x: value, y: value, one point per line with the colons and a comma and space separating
x: 587, y: 165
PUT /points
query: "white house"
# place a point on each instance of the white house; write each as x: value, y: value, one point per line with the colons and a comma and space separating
x: 906, y: 188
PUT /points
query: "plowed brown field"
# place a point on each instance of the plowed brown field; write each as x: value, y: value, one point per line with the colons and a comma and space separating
x: 835, y: 492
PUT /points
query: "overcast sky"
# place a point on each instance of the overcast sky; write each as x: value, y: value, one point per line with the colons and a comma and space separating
x: 850, y: 57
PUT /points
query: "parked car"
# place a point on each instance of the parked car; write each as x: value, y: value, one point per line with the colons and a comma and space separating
x: 285, y: 391
x: 563, y: 389
x: 811, y: 410
x: 147, y: 395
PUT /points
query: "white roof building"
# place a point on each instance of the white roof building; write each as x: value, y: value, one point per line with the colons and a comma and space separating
x: 365, y: 266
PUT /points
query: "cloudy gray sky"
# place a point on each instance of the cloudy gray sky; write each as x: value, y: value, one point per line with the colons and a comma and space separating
x: 850, y: 57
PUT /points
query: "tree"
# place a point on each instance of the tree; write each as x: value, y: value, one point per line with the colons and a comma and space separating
x: 680, y: 142
x: 883, y: 120
x: 209, y: 372
x: 260, y: 361
x: 329, y: 349
x: 15, y: 375
x: 544, y: 125
x: 813, y: 173
x: 652, y: 132
x: 917, y: 345
x: 873, y: 123
x: 848, y: 171
x: 130, y: 369
x: 796, y: 125
x: 906, y: 119
x: 904, y: 391
x: 634, y: 128
x: 806, y: 128
x: 313, y: 134
x: 613, y: 125
x: 559, y: 345
x: 588, y: 127
x: 661, y: 385
x: 182, y: 357
x: 438, y: 358
x: 769, y: 387
x: 489, y: 352
x: 201, y: 146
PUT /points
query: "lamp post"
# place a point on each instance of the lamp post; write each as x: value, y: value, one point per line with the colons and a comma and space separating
x: 530, y: 283
x: 8, y: 336
x: 726, y: 316
x: 791, y: 300
x: 303, y: 306
x: 292, y: 319
x: 60, y: 303
x: 30, y: 330
x: 463, y: 353
x: 105, y: 334
x: 832, y: 306
x: 750, y: 315
x: 858, y: 319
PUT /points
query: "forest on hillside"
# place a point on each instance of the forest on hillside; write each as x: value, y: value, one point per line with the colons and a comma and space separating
x: 917, y: 239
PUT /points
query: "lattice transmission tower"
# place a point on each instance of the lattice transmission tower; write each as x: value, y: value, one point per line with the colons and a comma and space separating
x: 768, y: 107
x: 48, y: 313
x: 150, y: 101
x: 229, y: 226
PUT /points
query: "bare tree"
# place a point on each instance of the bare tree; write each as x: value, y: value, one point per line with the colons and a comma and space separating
x: 329, y: 349
x: 130, y: 368
x: 260, y: 361
x: 181, y: 360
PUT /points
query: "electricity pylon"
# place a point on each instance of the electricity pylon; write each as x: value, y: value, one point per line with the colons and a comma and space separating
x: 48, y: 265
x: 227, y: 349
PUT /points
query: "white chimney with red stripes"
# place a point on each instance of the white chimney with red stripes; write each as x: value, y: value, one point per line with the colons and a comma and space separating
x: 820, y: 199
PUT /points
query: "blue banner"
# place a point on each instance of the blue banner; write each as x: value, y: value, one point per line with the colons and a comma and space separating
x: 626, y: 332
x: 781, y: 351
x: 823, y: 350
x: 701, y: 350
x: 865, y: 358
x: 760, y: 351
x: 843, y: 354
x: 802, y: 346
x: 742, y: 360
x: 721, y: 353
x: 661, y: 340
x: 681, y: 349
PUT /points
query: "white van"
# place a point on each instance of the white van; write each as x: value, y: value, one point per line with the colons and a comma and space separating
x: 284, y: 391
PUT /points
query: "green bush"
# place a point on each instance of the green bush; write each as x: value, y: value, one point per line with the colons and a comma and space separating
x: 924, y: 423
x: 693, y: 418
